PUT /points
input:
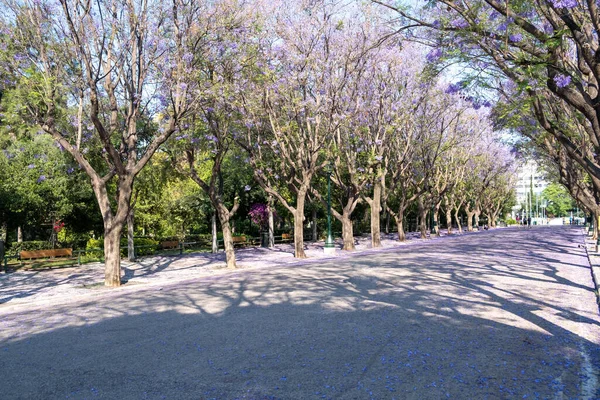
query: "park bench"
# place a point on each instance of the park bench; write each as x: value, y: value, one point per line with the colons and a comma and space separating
x: 240, y: 241
x: 31, y: 255
x: 169, y: 244
x: 286, y: 237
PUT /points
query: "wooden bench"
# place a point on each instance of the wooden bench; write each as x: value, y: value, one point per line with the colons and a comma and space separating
x: 169, y: 244
x: 39, y: 254
x: 240, y: 241
x: 286, y: 237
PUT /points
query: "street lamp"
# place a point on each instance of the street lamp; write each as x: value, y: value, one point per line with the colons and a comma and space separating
x: 329, y: 247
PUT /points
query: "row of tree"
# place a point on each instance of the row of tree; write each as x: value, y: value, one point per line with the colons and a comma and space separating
x: 540, y: 59
x: 296, y: 93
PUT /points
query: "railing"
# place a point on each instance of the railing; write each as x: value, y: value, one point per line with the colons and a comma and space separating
x: 84, y: 256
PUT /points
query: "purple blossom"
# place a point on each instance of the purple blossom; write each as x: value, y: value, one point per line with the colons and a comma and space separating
x: 378, y: 158
x: 42, y: 178
x: 187, y: 58
x: 562, y: 80
x: 564, y: 3
x: 247, y: 188
x: 31, y: 166
x: 515, y: 38
x: 459, y: 23
x: 454, y: 87
x: 259, y: 214
x: 70, y: 170
x: 434, y: 55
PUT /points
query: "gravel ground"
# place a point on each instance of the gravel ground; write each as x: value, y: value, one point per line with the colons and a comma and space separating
x: 504, y: 314
x: 71, y: 283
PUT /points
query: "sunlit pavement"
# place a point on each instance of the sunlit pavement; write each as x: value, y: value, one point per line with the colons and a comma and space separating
x: 503, y: 314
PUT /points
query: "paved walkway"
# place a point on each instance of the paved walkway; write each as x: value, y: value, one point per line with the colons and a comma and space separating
x: 498, y: 315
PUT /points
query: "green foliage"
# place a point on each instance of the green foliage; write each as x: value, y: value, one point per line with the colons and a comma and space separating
x: 143, y: 246
x: 559, y: 200
x: 510, y: 221
x: 16, y: 247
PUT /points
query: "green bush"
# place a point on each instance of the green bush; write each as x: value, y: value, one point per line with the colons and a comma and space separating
x: 16, y: 247
x: 510, y: 221
x: 143, y: 246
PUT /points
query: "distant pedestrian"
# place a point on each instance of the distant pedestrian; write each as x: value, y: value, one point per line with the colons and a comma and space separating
x: 529, y: 222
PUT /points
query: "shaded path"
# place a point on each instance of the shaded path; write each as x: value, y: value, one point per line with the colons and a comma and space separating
x: 504, y: 314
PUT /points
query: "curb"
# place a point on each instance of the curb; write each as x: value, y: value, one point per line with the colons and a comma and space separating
x: 594, y: 260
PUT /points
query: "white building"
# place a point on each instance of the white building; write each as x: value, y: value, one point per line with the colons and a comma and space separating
x: 529, y: 187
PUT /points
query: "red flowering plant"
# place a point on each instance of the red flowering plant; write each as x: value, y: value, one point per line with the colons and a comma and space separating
x: 58, y: 226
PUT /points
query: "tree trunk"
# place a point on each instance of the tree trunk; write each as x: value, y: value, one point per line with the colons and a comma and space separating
x: 224, y: 219
x: 3, y: 232
x: 347, y: 232
x: 215, y: 243
x: 112, y: 254
x: 449, y: 220
x: 130, y: 242
x: 19, y: 234
x: 422, y: 219
x: 299, y: 225
x: 457, y: 219
x: 477, y: 214
x: 271, y: 224
x: 435, y: 229
x: 400, y: 225
x: 314, y: 225
x: 375, y: 204
x: 470, y: 215
x: 387, y: 222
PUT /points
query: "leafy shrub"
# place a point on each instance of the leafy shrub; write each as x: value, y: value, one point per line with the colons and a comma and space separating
x: 16, y: 247
x: 143, y: 246
x: 75, y: 240
x: 510, y: 221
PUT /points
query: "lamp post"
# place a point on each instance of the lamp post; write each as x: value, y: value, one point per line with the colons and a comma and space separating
x: 329, y: 247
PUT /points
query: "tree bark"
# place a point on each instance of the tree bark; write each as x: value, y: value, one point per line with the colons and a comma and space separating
x: 375, y: 204
x: 224, y: 218
x: 271, y: 224
x: 400, y: 225
x: 130, y: 242
x: 112, y: 254
x: 435, y: 229
x: 422, y: 218
x: 457, y: 219
x: 314, y: 225
x: 299, y: 225
x: 470, y: 215
x: 215, y: 242
x: 449, y: 220
x: 19, y: 234
x: 347, y: 232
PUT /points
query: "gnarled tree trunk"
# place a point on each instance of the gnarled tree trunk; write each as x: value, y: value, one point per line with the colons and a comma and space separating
x: 457, y: 219
x: 299, y: 225
x: 347, y: 232
x: 215, y: 239
x: 375, y: 203
x: 422, y: 218
x: 112, y: 254
x: 130, y: 241
x: 271, y: 223
x: 224, y: 217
